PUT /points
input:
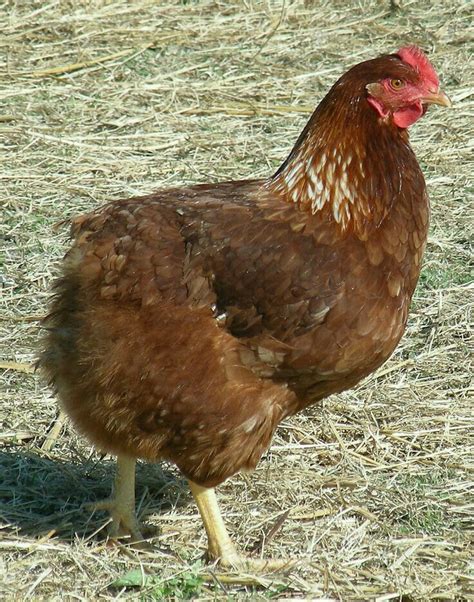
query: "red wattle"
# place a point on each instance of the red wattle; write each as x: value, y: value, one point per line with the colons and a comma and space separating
x: 408, y: 115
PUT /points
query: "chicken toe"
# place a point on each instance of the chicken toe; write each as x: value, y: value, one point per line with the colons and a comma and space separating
x: 124, y: 522
x: 258, y: 565
x: 121, y: 505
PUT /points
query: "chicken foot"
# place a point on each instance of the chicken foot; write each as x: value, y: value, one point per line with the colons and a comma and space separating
x: 220, y: 546
x: 121, y: 505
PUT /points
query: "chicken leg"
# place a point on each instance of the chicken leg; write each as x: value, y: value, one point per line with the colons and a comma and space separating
x: 121, y: 505
x: 220, y: 546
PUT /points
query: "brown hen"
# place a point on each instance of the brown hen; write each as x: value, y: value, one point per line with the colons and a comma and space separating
x: 187, y: 324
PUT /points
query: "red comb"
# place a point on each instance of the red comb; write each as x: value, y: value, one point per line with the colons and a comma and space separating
x: 414, y: 56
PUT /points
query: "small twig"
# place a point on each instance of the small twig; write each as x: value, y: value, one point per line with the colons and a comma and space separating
x: 42, y: 540
x: 16, y: 436
x: 17, y: 366
x: 37, y: 581
x: 76, y: 66
x: 269, y: 35
x: 239, y: 579
x: 54, y: 432
x: 31, y: 318
x: 246, y: 109
x: 257, y: 547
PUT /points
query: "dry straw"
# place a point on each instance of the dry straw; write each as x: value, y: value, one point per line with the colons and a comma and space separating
x: 101, y: 100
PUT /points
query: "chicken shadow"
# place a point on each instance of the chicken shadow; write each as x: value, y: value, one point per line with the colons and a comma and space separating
x: 39, y: 495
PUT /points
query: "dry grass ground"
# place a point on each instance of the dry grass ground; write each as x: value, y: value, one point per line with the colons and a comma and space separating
x: 105, y: 99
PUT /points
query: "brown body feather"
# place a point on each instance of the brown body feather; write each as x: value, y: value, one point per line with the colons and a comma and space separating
x: 187, y: 324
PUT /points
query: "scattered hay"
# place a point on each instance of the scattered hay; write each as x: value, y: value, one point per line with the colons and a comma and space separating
x: 104, y: 100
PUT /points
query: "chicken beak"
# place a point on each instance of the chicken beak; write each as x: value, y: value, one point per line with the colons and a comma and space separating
x: 437, y: 98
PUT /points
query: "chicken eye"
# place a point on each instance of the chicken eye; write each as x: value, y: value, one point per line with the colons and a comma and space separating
x: 396, y: 84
